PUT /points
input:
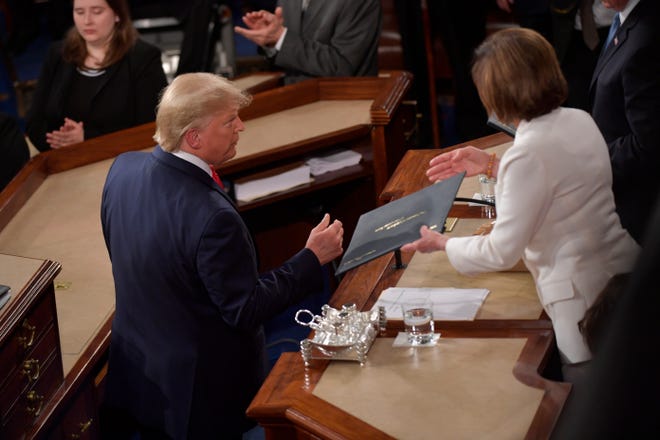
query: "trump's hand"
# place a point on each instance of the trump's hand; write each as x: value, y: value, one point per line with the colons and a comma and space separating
x: 326, y: 240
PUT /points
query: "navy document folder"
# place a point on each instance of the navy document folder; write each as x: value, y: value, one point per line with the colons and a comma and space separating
x: 390, y: 226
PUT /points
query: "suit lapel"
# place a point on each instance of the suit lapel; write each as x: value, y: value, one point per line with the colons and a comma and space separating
x: 292, y: 15
x: 313, y: 9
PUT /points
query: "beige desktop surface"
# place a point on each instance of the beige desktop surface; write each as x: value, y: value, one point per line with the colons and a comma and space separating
x: 61, y: 222
x: 16, y: 272
x: 463, y: 388
x: 300, y: 123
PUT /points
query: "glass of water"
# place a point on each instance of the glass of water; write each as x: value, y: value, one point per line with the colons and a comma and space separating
x: 418, y: 320
x: 487, y: 186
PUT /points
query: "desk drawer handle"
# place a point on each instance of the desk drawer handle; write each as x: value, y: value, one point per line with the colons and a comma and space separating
x: 35, y: 403
x: 83, y: 427
x: 29, y: 331
x: 31, y: 369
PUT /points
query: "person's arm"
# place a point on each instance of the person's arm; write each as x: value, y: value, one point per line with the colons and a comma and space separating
x: 227, y: 265
x: 524, y: 197
x: 354, y: 39
x: 470, y: 159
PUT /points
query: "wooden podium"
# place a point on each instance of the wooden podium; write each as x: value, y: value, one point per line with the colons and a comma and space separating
x: 338, y: 400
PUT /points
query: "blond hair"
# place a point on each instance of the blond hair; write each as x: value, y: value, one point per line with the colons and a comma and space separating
x: 190, y: 101
x: 518, y: 76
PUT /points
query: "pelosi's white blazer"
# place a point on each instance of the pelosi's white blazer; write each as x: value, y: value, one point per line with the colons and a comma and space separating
x: 555, y: 209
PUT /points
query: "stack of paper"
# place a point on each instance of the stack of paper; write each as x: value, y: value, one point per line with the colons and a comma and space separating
x: 254, y: 189
x: 332, y: 162
x: 448, y: 303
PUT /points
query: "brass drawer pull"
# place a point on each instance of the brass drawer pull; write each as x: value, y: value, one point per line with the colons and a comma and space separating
x: 35, y: 403
x: 83, y: 427
x: 29, y: 331
x: 31, y: 369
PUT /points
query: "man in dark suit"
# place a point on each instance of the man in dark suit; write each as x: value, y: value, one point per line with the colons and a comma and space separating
x: 625, y: 103
x: 187, y: 350
x: 310, y: 38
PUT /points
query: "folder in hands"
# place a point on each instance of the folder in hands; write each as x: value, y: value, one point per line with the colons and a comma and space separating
x: 390, y: 226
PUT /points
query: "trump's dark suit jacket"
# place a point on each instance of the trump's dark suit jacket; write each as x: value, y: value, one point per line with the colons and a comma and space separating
x: 187, y: 350
x: 126, y: 96
x: 332, y: 38
x: 625, y: 97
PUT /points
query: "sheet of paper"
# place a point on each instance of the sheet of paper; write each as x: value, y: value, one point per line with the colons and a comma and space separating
x: 257, y: 188
x: 323, y: 164
x: 449, y: 304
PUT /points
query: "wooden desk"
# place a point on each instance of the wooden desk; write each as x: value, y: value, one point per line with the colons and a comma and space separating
x: 30, y: 354
x: 284, y: 126
x: 258, y: 81
x: 288, y: 405
x: 299, y: 403
x: 51, y: 208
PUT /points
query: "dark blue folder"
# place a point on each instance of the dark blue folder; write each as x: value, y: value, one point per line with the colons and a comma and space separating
x: 390, y: 226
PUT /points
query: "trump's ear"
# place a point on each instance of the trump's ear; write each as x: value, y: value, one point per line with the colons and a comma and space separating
x: 191, y: 138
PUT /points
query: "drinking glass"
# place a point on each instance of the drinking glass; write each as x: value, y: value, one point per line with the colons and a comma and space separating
x: 418, y: 320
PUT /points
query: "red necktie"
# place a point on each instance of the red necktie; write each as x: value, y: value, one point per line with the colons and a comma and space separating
x: 215, y: 176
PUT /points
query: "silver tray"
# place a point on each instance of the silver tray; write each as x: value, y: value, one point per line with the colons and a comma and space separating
x: 344, y: 334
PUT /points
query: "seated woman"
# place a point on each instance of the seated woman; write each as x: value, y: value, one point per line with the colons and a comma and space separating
x: 101, y: 78
x: 555, y: 207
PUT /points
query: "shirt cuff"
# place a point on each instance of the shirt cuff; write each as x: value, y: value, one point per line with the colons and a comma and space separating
x: 280, y: 41
x: 271, y: 51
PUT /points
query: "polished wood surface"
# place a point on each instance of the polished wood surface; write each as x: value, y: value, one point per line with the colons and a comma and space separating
x: 30, y: 355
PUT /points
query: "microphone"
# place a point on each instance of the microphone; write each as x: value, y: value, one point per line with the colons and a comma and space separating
x: 495, y: 123
x: 476, y: 201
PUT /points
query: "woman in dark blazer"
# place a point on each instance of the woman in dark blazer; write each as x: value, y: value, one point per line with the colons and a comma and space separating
x: 101, y: 78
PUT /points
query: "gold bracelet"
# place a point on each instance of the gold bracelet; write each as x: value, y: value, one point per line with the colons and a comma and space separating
x: 489, y: 167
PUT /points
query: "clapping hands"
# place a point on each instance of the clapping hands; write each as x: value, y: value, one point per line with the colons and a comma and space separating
x: 263, y: 28
x: 71, y: 132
